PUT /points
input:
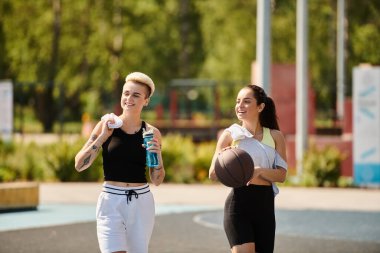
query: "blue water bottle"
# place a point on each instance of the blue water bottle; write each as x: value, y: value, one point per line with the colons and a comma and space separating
x: 151, y: 158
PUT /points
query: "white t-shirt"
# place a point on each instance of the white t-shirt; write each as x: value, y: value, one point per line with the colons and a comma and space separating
x: 264, y: 153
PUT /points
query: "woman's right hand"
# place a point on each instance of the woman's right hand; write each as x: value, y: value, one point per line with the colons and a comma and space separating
x: 106, y: 132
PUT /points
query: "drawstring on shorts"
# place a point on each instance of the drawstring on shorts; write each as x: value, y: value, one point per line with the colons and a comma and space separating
x: 128, y: 193
x: 131, y: 193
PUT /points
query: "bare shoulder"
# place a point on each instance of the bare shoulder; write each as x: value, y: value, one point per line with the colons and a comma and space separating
x: 279, y: 140
x: 225, y: 139
x: 156, y: 132
x: 277, y: 135
x: 225, y: 134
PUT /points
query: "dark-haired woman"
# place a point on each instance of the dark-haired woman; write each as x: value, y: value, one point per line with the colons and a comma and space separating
x: 249, y: 217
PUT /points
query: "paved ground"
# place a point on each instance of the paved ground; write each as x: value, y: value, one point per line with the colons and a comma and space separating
x: 308, y: 220
x: 175, y: 233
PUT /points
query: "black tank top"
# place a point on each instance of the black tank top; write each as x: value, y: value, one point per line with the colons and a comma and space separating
x: 124, y: 158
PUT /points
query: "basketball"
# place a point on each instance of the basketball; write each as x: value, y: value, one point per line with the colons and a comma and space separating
x: 234, y: 167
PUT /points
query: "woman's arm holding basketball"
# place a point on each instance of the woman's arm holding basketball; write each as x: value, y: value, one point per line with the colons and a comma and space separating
x: 279, y: 174
x: 90, y: 150
x: 225, y: 140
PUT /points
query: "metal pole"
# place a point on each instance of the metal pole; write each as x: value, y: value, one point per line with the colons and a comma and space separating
x: 263, y: 41
x: 340, y: 44
x: 301, y: 82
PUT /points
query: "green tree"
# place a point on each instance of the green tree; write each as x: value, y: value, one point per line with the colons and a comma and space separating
x: 228, y: 31
x: 4, y: 66
x: 93, y: 46
x: 85, y: 48
x: 32, y: 49
x: 363, y: 26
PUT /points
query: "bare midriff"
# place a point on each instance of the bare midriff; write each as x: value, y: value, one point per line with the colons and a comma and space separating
x: 259, y: 181
x: 124, y: 184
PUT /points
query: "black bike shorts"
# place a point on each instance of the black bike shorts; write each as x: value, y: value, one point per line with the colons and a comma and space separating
x: 249, y: 217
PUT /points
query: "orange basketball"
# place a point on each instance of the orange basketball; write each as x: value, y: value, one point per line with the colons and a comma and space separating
x: 234, y: 167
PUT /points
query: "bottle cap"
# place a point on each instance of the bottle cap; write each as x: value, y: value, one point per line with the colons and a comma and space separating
x: 147, y: 132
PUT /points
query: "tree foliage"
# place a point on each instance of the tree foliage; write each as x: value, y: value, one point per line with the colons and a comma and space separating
x: 83, y: 51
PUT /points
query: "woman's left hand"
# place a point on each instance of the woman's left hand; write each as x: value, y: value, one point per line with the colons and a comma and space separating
x: 154, y: 146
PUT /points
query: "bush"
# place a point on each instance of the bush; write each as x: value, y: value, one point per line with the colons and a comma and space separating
x: 186, y: 162
x: 21, y: 162
x: 178, y: 153
x: 60, y: 158
x: 202, y: 161
x: 6, y: 173
x: 32, y: 162
x: 322, y: 166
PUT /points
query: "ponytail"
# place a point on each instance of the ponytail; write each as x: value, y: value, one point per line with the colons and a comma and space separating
x: 268, y: 116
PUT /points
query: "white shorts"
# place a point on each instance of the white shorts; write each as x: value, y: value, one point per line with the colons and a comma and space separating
x: 125, y: 218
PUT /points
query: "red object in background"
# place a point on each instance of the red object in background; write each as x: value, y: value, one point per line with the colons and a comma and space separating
x: 345, y: 146
x: 117, y: 109
x: 347, y: 120
x: 159, y: 109
x: 283, y: 92
x: 173, y: 106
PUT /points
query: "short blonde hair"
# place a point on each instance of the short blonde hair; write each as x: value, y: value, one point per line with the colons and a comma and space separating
x: 143, y: 79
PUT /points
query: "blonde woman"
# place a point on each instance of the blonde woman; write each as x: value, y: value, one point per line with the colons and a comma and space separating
x: 125, y: 211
